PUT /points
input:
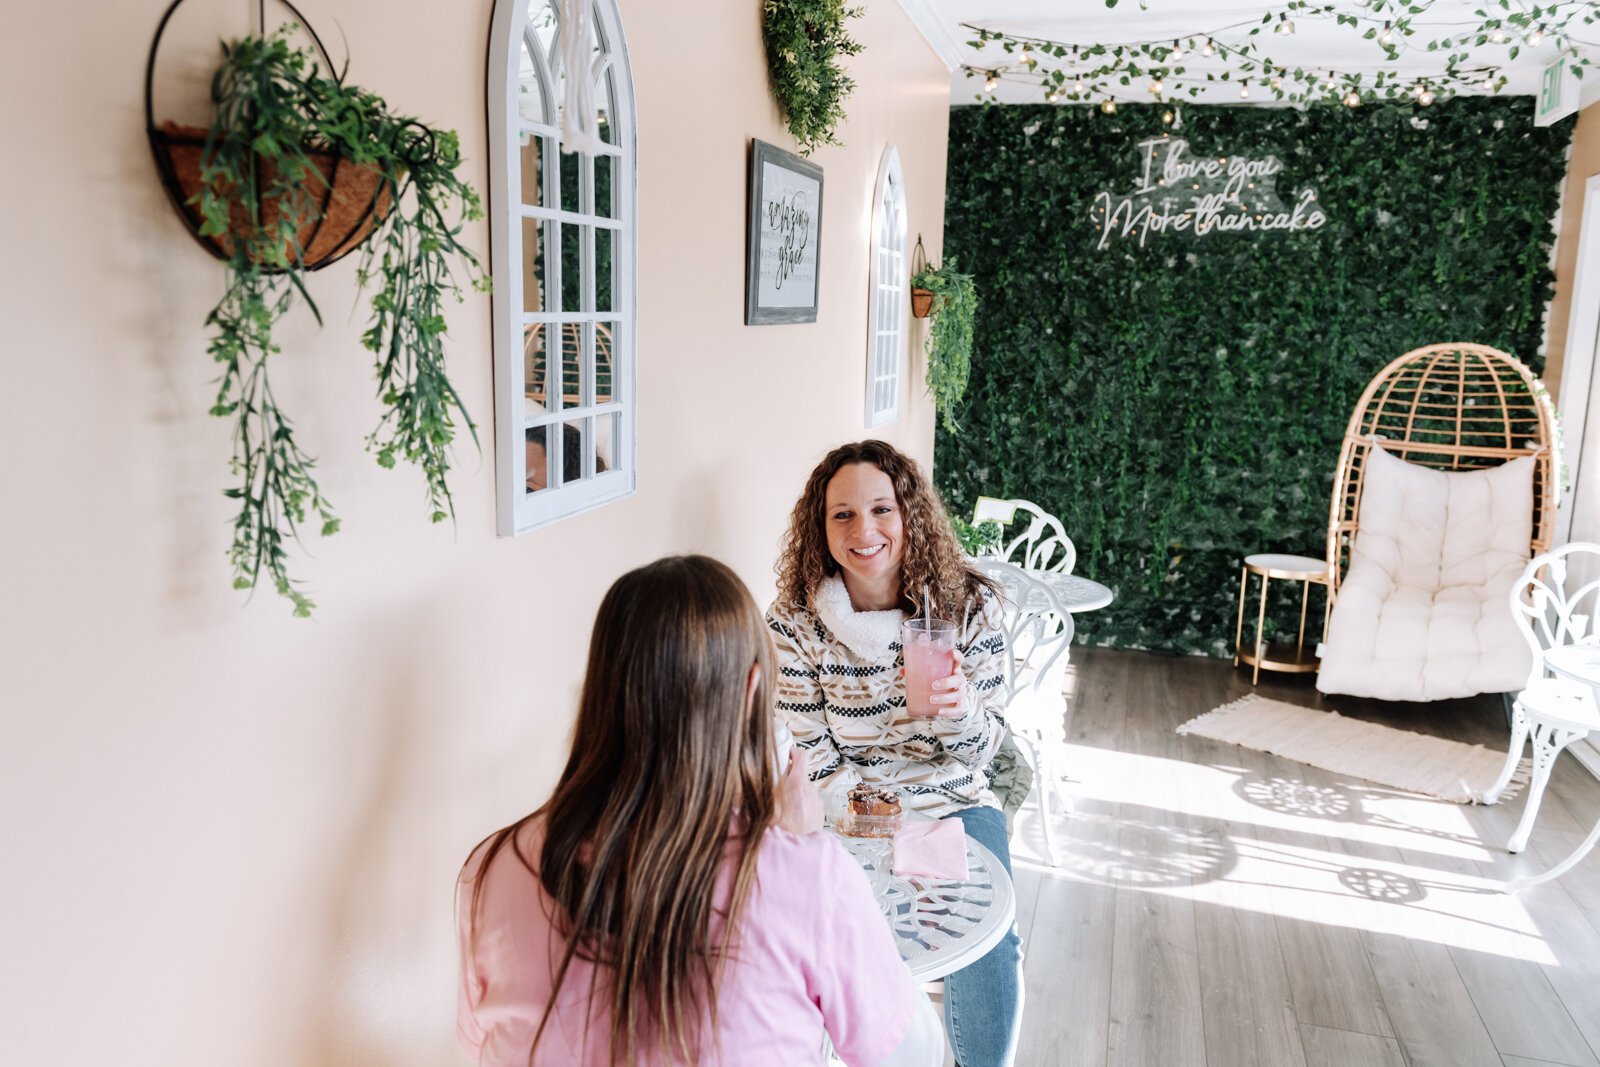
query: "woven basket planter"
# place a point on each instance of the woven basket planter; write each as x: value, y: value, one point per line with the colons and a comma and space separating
x: 351, y: 199
x: 921, y: 303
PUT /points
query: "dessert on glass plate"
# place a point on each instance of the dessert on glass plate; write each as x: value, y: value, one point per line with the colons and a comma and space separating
x: 869, y: 812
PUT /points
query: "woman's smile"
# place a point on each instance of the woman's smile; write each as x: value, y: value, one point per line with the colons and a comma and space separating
x: 866, y: 536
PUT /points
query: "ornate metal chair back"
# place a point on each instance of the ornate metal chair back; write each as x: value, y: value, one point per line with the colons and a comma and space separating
x: 1039, y: 544
x: 1556, y: 599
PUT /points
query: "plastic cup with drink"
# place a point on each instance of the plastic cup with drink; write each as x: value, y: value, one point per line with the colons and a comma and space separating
x: 929, y: 648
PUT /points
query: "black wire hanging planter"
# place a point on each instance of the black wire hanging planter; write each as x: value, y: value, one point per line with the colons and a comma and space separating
x: 921, y: 299
x: 295, y: 171
x: 347, y: 200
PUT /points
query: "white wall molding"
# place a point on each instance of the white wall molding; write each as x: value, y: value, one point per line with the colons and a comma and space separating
x: 937, y: 32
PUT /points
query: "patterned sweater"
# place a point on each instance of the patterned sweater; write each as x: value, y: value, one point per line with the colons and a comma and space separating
x: 840, y: 692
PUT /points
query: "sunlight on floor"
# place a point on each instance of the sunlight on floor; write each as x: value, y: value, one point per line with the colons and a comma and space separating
x: 1348, y: 854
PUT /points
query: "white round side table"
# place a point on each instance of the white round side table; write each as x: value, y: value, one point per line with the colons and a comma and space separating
x: 1294, y: 659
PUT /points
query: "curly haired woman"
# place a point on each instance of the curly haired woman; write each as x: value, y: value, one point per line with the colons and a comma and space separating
x: 867, y: 540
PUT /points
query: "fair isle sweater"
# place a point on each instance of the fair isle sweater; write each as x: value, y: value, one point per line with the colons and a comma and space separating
x: 841, y: 693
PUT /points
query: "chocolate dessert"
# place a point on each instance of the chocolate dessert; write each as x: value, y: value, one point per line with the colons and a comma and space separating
x: 870, y: 812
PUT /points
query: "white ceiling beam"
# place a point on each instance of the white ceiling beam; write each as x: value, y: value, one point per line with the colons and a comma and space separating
x: 937, y: 29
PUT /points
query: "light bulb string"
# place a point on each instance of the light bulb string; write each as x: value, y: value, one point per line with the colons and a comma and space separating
x: 1346, y: 79
x: 1050, y: 62
x: 1194, y: 41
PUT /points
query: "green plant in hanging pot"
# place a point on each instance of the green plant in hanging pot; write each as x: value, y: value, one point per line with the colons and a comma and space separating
x: 296, y: 170
x: 953, y: 309
x: 805, y: 40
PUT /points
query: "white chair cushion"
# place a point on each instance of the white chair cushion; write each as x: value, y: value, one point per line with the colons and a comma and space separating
x: 1423, y: 613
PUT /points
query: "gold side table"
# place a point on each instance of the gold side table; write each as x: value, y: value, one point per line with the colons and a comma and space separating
x: 1294, y: 659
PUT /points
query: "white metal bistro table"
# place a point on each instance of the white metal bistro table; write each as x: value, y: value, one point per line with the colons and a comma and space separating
x: 1579, y: 663
x: 939, y: 926
x: 1073, y: 592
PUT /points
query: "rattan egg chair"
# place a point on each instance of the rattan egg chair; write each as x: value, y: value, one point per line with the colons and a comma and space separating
x: 1452, y: 408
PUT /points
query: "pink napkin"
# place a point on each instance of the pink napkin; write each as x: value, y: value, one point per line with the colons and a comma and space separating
x: 932, y: 849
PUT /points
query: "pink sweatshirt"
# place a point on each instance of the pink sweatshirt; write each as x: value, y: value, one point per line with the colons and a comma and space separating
x: 813, y: 954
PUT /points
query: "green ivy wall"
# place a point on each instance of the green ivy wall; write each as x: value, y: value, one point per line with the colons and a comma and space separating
x: 1180, y: 405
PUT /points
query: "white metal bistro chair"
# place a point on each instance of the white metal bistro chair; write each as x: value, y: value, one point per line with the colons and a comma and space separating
x: 1551, y: 611
x: 1042, y: 545
x: 1038, y: 633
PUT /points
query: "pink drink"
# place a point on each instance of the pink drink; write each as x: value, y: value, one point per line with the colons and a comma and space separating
x: 929, y: 647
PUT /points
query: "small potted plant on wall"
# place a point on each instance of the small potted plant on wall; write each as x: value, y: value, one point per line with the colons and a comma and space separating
x: 297, y: 170
x: 953, y: 307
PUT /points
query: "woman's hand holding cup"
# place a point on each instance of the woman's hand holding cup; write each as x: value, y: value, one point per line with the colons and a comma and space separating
x: 949, y: 696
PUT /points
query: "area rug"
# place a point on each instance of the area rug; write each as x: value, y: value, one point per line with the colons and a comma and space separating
x: 1415, y: 763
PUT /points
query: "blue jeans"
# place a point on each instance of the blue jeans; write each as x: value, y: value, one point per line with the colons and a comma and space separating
x: 983, y: 1002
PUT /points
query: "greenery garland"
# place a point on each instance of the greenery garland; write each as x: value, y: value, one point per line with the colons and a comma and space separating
x: 273, y: 109
x: 1164, y: 68
x: 949, y: 344
x: 1181, y: 404
x: 805, y: 39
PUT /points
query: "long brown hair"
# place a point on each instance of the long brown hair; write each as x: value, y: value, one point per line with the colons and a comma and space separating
x: 665, y: 764
x: 932, y: 556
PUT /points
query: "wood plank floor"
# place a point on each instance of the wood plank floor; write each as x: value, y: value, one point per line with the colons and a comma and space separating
x: 1221, y: 907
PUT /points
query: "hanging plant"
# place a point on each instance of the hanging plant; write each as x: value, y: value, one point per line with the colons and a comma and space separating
x: 805, y: 40
x: 949, y: 344
x: 921, y: 299
x: 296, y: 170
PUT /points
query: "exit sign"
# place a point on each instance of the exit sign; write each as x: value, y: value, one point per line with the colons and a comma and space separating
x: 1558, y: 93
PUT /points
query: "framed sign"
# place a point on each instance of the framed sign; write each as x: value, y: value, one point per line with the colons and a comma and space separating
x: 785, y: 237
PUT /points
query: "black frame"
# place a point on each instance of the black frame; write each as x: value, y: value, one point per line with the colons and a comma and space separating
x: 754, y: 314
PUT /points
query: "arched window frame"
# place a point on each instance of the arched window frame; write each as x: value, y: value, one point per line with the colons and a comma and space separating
x: 887, y: 294
x: 582, y: 330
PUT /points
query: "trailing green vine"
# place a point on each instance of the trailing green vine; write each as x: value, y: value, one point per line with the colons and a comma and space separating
x: 1180, y: 404
x: 274, y: 108
x: 805, y: 40
x: 949, y: 344
x: 1465, y: 49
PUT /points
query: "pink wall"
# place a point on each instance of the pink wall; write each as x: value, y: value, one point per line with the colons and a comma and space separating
x: 233, y: 835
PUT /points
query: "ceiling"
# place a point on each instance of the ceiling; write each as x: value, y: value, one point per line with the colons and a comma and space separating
x: 1318, y: 41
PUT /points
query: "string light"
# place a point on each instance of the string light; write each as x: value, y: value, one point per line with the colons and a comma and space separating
x: 1109, y: 107
x: 1250, y: 64
x: 1425, y: 97
x: 1497, y: 36
x: 1536, y: 36
x: 1166, y: 119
